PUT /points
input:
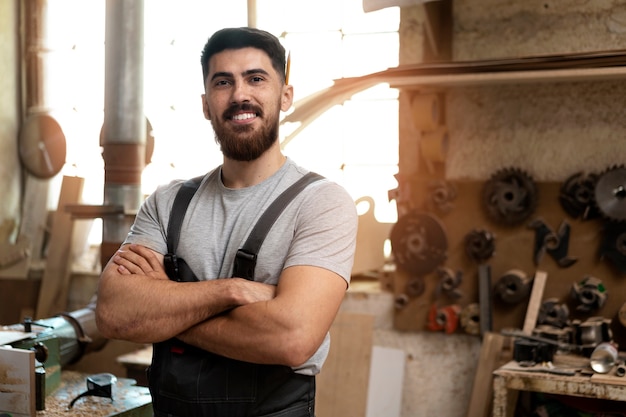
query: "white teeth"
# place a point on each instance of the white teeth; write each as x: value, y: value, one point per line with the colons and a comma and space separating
x: 243, y: 116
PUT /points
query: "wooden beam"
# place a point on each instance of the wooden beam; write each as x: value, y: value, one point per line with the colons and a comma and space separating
x: 535, y: 301
x: 482, y: 390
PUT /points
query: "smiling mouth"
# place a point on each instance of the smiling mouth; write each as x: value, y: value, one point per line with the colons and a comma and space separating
x: 244, y: 116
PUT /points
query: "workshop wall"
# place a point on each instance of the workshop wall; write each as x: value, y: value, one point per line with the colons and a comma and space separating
x: 549, y: 130
x: 9, y: 122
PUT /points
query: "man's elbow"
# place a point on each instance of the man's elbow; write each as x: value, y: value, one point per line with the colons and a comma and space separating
x: 106, y: 325
x: 298, y: 349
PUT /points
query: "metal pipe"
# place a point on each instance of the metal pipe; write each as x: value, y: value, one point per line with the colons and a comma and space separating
x: 123, y: 136
x: 252, y: 14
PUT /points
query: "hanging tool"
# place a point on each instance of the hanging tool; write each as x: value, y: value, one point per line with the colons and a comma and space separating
x: 449, y: 282
x: 444, y: 318
x: 419, y: 243
x: 610, y: 193
x: 479, y: 245
x: 509, y: 196
x: 556, y: 244
x: 577, y: 196
x: 513, y: 286
x: 590, y: 293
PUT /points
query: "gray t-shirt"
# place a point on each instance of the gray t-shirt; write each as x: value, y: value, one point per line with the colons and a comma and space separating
x: 317, y: 228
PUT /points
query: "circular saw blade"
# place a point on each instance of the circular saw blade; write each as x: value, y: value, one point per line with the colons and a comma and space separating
x: 610, y: 193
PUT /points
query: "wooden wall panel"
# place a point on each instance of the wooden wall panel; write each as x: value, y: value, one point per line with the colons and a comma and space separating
x: 514, y: 250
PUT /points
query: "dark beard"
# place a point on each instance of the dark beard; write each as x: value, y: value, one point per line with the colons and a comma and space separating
x: 240, y: 143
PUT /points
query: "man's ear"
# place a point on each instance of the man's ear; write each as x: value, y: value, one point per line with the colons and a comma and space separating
x: 205, y: 108
x: 287, y: 97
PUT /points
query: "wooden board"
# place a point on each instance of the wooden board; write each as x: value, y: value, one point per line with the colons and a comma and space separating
x: 488, y: 361
x: 55, y: 281
x: 514, y: 250
x: 343, y: 383
x: 534, y: 305
x: 34, y: 215
x: 17, y: 382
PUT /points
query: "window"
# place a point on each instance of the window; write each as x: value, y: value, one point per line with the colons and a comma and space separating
x: 354, y: 144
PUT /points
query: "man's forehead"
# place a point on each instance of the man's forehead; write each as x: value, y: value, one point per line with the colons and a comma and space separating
x: 243, y: 59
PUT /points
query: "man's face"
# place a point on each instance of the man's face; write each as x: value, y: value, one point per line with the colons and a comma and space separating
x: 243, y: 99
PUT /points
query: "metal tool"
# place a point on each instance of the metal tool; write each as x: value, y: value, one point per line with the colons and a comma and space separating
x: 99, y: 385
x: 444, y: 318
x: 590, y: 293
x: 553, y: 313
x: 577, y: 196
x: 509, y: 196
x: 479, y: 245
x: 556, y: 244
x: 419, y: 243
x: 613, y: 245
x: 449, y: 282
x: 513, y: 286
x: 610, y: 193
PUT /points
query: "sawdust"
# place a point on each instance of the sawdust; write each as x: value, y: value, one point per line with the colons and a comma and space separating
x: 74, y: 384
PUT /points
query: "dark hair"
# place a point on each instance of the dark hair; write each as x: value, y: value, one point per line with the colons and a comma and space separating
x: 244, y: 37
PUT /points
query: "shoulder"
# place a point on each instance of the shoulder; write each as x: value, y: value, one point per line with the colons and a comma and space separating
x: 164, y: 195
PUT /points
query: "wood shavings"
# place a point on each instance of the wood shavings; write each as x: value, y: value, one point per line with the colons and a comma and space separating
x: 126, y: 396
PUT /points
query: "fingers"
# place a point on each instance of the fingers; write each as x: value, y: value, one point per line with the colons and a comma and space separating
x: 153, y: 261
x: 132, y: 261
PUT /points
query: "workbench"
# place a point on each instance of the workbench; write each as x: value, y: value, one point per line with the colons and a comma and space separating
x: 568, y: 375
x: 129, y: 400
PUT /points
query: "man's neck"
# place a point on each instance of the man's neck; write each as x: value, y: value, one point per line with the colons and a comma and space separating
x: 240, y: 174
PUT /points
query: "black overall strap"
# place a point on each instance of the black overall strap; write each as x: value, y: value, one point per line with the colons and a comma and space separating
x: 179, y: 208
x: 245, y: 260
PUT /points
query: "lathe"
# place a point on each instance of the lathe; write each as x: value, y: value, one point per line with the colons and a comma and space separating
x: 32, y: 356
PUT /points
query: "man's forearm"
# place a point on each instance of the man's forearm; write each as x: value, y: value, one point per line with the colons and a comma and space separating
x: 255, y: 333
x: 137, y: 301
x: 144, y: 310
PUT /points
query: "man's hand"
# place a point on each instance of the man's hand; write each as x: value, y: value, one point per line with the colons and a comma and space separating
x: 137, y: 259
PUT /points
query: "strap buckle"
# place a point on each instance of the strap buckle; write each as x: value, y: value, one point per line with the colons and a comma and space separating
x: 245, y: 262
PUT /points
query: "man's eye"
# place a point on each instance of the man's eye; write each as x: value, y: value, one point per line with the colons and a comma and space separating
x: 221, y: 82
x: 257, y: 79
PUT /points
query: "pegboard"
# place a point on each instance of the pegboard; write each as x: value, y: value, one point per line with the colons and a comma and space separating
x: 514, y: 250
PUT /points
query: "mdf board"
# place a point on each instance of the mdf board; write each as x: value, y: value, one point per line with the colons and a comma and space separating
x: 384, y: 397
x: 17, y: 382
x: 342, y: 384
x: 514, y: 249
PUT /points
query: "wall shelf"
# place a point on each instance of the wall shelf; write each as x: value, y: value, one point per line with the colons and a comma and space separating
x: 594, y: 66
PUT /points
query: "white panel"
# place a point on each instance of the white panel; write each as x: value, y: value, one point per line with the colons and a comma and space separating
x: 384, y: 394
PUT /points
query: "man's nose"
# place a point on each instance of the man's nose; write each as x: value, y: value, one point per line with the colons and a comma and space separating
x: 241, y: 93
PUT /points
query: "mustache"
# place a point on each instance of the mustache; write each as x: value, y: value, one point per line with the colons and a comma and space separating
x: 245, y: 107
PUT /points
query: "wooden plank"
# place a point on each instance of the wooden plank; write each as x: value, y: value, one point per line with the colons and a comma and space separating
x: 534, y: 304
x: 482, y: 389
x: 55, y: 281
x: 34, y: 215
x: 17, y: 382
x: 342, y: 385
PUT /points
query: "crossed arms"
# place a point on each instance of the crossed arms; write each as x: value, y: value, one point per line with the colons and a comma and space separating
x: 234, y: 317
